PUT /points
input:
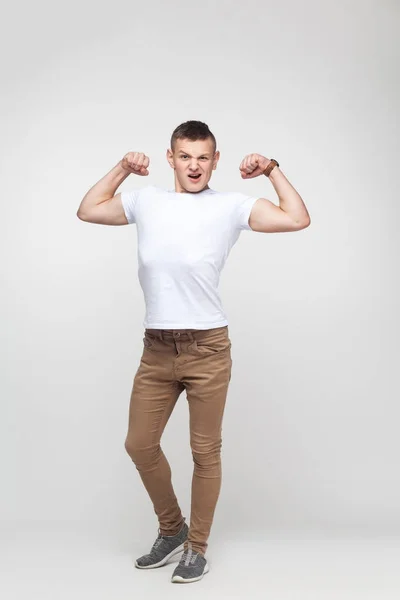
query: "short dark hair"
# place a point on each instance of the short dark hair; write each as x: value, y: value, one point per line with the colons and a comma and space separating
x: 192, y: 130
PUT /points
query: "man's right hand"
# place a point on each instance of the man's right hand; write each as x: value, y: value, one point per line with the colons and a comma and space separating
x: 136, y: 163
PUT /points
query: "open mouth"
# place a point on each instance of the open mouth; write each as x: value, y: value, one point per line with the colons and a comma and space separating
x: 195, y: 177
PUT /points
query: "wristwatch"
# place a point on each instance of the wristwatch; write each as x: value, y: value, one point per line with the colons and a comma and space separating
x: 271, y: 165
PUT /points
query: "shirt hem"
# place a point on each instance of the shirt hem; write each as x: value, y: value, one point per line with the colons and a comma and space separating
x: 185, y: 325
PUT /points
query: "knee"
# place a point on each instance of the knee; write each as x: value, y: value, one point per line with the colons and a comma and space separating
x: 130, y: 447
x: 207, y: 454
x: 141, y: 453
x: 134, y: 447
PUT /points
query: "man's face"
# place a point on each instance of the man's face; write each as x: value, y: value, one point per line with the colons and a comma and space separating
x: 193, y: 163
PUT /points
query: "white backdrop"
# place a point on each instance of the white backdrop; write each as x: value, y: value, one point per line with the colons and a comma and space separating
x: 310, y: 433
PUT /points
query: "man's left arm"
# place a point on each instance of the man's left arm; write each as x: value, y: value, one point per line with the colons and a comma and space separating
x: 267, y: 217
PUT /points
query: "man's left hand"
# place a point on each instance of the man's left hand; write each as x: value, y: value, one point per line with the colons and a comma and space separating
x: 253, y: 165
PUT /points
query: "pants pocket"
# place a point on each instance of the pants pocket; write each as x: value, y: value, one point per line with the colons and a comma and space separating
x: 213, y: 343
x: 148, y: 341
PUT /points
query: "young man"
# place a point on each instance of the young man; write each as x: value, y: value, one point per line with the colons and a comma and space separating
x: 184, y: 238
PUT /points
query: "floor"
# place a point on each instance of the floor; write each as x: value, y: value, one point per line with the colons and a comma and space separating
x: 57, y: 562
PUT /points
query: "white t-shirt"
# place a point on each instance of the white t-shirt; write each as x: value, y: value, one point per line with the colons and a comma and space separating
x: 183, y: 242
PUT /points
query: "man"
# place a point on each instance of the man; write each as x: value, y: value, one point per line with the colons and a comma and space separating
x: 184, y: 238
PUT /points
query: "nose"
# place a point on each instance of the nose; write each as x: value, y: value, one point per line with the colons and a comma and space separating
x: 193, y: 165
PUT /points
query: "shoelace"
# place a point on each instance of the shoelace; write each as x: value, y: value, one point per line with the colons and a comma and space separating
x: 159, y: 539
x: 157, y: 542
x: 189, y: 557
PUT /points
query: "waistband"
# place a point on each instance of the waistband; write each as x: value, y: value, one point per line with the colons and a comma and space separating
x: 187, y: 334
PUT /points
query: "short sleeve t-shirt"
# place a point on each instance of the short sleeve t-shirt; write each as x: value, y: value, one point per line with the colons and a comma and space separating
x: 184, y: 240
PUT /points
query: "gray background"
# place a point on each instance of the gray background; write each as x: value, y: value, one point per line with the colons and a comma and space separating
x: 310, y: 433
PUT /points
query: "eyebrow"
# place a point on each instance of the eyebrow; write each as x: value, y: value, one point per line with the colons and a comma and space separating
x: 204, y: 153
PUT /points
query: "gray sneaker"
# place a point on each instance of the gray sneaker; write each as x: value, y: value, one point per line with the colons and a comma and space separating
x: 163, y: 548
x: 192, y: 567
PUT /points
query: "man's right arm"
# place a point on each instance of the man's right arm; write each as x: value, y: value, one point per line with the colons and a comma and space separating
x: 100, y: 205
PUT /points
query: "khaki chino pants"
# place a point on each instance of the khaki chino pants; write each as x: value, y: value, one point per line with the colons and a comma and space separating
x: 173, y: 360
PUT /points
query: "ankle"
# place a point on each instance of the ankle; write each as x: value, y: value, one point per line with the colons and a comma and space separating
x: 173, y: 534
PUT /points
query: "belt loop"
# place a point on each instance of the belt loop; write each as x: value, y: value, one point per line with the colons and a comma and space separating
x: 162, y: 334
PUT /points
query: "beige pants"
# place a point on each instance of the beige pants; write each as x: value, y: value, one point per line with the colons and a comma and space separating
x: 173, y: 360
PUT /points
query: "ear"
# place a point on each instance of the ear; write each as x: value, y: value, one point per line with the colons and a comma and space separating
x: 216, y: 159
x: 170, y: 158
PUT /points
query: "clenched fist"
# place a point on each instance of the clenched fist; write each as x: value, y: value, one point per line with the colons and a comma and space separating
x: 253, y: 165
x: 136, y: 162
